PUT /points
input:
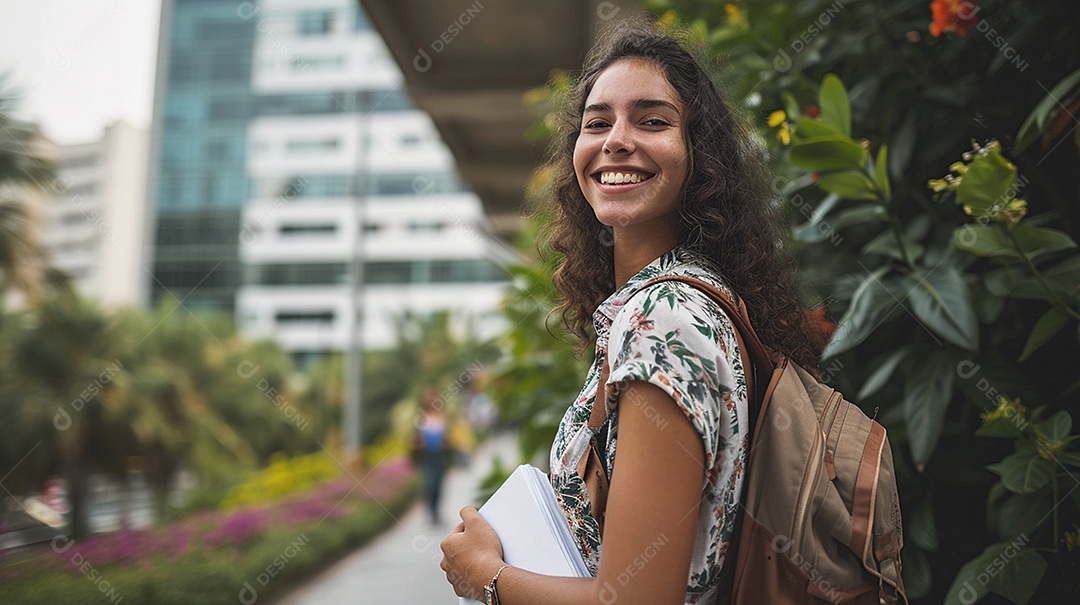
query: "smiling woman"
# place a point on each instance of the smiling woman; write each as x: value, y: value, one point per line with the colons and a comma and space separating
x: 655, y: 177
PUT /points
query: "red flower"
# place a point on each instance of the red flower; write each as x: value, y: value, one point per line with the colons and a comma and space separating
x: 819, y: 323
x: 812, y: 111
x: 953, y: 16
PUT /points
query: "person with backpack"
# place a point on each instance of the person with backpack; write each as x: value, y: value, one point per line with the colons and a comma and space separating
x: 431, y: 449
x: 662, y: 208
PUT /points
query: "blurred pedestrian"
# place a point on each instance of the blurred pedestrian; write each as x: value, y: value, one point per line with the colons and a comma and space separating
x: 432, y: 449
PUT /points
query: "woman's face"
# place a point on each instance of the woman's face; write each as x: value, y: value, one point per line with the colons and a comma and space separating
x: 631, y: 157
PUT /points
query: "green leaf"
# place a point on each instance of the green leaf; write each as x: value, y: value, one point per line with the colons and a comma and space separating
x: 870, y: 306
x: 1036, y: 241
x: 983, y: 240
x: 882, y: 373
x: 1045, y: 328
x: 835, y: 105
x: 1025, y: 471
x: 941, y: 301
x: 859, y: 214
x: 806, y: 128
x: 1022, y: 513
x: 976, y: 578
x: 1070, y: 458
x: 885, y: 244
x: 814, y: 230
x: 928, y: 392
x: 850, y: 185
x: 990, y: 179
x: 825, y: 153
x: 1036, y: 120
x: 1020, y: 576
x: 881, y: 173
x: 1057, y: 427
x: 920, y: 528
x: 994, y: 241
x: 918, y: 575
x: 988, y: 307
x: 1016, y: 282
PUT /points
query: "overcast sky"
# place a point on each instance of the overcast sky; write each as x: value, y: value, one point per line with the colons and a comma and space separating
x: 80, y: 64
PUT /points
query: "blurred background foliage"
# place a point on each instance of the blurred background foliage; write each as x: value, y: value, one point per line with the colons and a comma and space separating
x: 950, y: 267
x: 957, y: 297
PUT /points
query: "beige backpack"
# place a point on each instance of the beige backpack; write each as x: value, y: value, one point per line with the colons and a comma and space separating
x: 822, y: 515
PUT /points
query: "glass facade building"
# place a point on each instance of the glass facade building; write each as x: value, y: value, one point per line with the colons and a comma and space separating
x: 274, y: 122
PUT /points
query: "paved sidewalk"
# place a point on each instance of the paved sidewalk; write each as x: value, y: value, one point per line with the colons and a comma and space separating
x: 402, y: 564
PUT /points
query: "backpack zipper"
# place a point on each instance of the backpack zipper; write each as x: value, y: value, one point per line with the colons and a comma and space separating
x: 817, y: 458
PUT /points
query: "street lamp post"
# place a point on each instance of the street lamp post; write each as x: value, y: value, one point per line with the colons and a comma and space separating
x: 354, y: 359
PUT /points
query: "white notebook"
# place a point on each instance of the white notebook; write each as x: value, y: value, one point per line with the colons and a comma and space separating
x: 532, y: 527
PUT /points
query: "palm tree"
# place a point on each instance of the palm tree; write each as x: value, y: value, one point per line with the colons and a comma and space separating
x: 22, y: 169
x: 66, y: 364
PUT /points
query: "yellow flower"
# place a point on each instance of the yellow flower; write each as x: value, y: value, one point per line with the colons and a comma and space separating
x: 1047, y: 449
x: 735, y: 15
x: 1072, y: 538
x: 1004, y: 409
x: 1012, y: 212
x: 778, y: 118
x: 938, y: 185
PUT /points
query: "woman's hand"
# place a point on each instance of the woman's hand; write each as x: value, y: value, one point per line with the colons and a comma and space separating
x: 472, y: 553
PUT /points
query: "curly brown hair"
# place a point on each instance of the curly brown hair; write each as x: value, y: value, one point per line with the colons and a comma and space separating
x: 729, y: 213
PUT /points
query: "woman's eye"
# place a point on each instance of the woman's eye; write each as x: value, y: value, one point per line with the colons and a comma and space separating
x: 655, y: 122
x: 596, y: 124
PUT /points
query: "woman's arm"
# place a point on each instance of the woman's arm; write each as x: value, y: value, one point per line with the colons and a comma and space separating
x: 650, y: 527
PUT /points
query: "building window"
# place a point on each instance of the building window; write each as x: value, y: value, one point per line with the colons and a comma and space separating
x: 313, y: 23
x: 319, y: 229
x: 395, y: 184
x: 425, y: 227
x: 388, y: 272
x: 299, y: 146
x: 297, y: 274
x: 317, y: 63
x: 293, y: 318
x: 305, y: 187
x: 390, y: 100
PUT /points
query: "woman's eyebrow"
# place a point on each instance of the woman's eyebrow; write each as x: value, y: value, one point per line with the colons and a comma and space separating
x: 654, y: 103
x: 638, y: 104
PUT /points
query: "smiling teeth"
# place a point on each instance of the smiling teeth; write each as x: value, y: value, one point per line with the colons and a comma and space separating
x: 619, y: 178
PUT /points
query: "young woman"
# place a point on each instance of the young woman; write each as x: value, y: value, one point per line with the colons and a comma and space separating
x: 657, y: 176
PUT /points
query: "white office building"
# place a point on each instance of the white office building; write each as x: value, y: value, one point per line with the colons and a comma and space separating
x: 92, y: 226
x: 367, y: 181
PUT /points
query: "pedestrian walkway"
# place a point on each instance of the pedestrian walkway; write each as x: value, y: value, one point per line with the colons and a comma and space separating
x: 402, y: 564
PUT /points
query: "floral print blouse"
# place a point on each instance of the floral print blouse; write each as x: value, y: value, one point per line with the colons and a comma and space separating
x: 674, y: 336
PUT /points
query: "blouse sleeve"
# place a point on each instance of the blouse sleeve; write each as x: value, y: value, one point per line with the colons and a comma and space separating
x: 675, y: 337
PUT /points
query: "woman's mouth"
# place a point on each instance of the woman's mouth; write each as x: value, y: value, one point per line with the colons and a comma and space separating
x: 615, y: 177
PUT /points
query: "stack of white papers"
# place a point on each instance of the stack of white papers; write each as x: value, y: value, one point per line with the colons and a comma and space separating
x: 532, y: 526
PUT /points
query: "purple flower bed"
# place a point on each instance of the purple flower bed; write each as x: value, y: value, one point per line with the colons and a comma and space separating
x: 215, y: 529
x: 238, y: 527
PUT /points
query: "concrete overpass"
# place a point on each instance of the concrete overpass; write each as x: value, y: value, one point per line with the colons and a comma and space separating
x: 469, y: 64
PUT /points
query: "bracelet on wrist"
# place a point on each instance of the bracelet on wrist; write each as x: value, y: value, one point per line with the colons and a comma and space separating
x: 491, y: 596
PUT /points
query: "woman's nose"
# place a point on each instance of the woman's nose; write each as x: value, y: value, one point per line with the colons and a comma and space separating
x: 619, y: 139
